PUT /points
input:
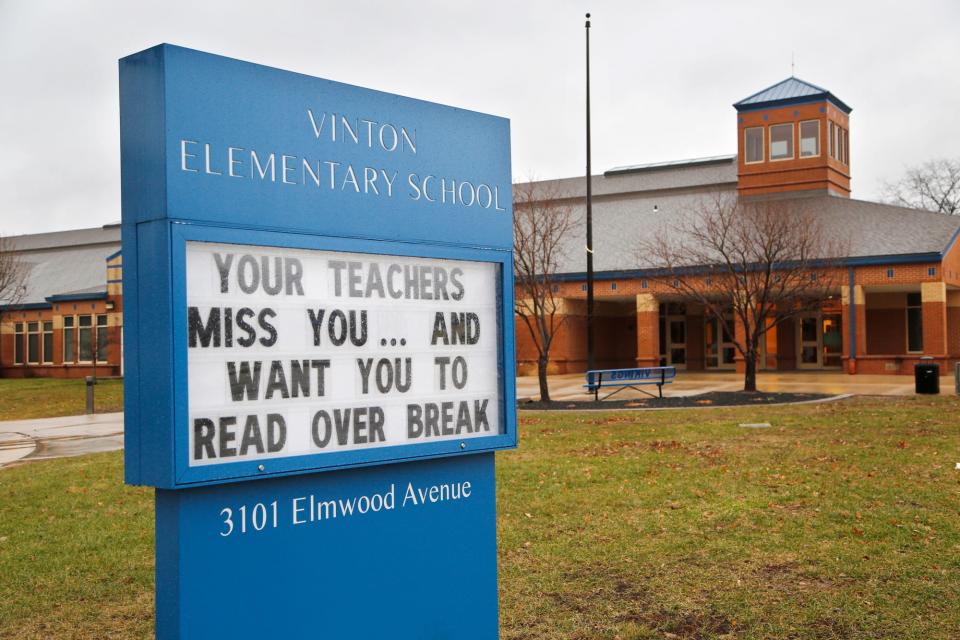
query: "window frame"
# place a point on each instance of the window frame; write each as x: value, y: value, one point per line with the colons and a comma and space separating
x: 763, y: 145
x: 45, y: 357
x: 816, y: 138
x: 19, y: 350
x: 80, y: 329
x: 99, y: 345
x: 832, y: 142
x: 792, y: 155
x: 34, y: 333
x: 72, y: 342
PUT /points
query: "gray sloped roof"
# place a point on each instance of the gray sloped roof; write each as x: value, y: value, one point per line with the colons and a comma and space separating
x: 622, y: 223
x: 66, y: 262
x: 786, y: 91
x: 109, y: 234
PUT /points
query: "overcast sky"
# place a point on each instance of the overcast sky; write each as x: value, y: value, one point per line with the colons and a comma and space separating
x: 665, y: 74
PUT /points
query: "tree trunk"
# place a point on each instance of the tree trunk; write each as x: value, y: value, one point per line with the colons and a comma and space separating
x: 750, y: 373
x: 542, y: 375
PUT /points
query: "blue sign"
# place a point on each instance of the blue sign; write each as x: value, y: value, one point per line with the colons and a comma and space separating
x: 317, y: 282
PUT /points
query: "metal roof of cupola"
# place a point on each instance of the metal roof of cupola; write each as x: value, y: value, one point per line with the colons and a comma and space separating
x: 790, y: 91
x: 793, y: 139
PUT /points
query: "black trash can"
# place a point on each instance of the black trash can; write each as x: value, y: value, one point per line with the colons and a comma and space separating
x: 926, y: 376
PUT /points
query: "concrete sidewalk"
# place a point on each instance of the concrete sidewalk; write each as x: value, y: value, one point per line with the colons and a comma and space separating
x: 44, y: 438
x: 570, y: 386
x: 41, y: 439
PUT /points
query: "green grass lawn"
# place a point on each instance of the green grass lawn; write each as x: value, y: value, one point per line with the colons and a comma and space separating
x: 840, y: 521
x: 50, y: 397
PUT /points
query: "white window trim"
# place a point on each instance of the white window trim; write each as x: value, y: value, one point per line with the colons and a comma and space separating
x: 92, y: 328
x: 793, y: 154
x: 43, y: 349
x: 39, y: 334
x: 63, y: 345
x: 20, y: 337
x: 800, y: 138
x: 763, y: 145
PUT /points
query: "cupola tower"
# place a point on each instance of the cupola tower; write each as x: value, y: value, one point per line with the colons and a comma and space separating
x: 793, y: 137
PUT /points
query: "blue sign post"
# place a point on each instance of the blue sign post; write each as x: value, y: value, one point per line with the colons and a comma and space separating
x: 318, y: 305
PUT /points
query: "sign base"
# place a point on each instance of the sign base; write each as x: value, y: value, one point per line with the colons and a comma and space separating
x: 395, y: 551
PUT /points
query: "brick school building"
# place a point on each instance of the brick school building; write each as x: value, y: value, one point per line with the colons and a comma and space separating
x: 897, y: 298
x: 68, y: 322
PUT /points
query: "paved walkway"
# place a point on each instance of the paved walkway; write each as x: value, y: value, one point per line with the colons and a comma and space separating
x: 41, y: 439
x: 569, y: 386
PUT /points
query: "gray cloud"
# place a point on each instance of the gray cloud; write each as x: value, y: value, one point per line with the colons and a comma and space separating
x: 664, y: 77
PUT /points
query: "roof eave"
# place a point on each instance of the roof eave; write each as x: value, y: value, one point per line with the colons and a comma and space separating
x: 786, y: 102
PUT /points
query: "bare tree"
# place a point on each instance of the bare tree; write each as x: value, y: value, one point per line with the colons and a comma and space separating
x: 541, y: 220
x: 12, y: 273
x: 933, y: 185
x: 769, y: 260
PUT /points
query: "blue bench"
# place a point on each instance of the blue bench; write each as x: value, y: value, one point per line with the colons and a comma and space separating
x: 629, y: 379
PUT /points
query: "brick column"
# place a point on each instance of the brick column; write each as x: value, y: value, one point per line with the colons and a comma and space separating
x: 648, y: 330
x: 933, y: 296
x: 953, y: 323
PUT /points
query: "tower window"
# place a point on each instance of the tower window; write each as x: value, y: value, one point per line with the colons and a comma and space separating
x: 753, y: 144
x: 809, y: 138
x: 831, y: 140
x: 781, y: 141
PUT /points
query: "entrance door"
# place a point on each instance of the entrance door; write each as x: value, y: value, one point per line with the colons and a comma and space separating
x: 673, y: 340
x: 820, y: 341
x: 719, y: 348
x: 810, y: 343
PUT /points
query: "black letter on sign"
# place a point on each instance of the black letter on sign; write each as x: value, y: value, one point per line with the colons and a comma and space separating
x: 439, y: 329
x: 276, y: 432
x: 321, y: 440
x: 203, y: 438
x: 316, y: 319
x: 242, y: 383
x: 266, y: 326
x: 223, y: 266
x: 207, y: 334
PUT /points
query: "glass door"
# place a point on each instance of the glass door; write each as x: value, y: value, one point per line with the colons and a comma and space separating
x: 832, y: 340
x: 810, y: 343
x: 673, y: 340
x: 677, y: 341
x: 719, y: 349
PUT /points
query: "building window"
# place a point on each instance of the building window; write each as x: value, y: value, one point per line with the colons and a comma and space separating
x: 33, y: 343
x: 613, y: 285
x: 753, y: 144
x: 643, y: 284
x: 809, y: 138
x: 101, y: 338
x: 781, y: 141
x: 931, y: 271
x: 18, y: 343
x: 889, y: 273
x: 831, y: 140
x: 914, y: 323
x: 86, y: 338
x: 48, y: 342
x: 583, y: 287
x: 846, y: 147
x: 69, y: 339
